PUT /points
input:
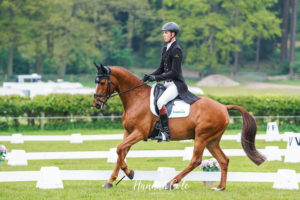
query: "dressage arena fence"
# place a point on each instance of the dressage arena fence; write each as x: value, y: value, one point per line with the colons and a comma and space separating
x: 78, y: 138
x: 20, y: 157
x: 52, y: 177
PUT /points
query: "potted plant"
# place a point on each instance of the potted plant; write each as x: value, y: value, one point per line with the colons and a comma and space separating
x: 210, y: 165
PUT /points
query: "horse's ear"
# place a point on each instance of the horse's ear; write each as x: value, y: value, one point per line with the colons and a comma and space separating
x: 104, y: 71
x: 97, y: 66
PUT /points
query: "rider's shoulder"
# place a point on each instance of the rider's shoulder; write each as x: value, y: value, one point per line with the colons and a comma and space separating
x: 176, y: 50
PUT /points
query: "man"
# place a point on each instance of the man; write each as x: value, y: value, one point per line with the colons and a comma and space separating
x: 170, y: 72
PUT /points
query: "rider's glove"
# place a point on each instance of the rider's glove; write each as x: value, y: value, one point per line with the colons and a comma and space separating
x: 145, y: 77
x: 151, y: 78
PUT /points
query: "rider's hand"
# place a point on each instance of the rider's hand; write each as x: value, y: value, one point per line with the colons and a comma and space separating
x: 145, y: 77
x: 151, y: 78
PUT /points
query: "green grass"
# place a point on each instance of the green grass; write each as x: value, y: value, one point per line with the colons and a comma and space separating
x: 128, y: 189
x: 92, y: 190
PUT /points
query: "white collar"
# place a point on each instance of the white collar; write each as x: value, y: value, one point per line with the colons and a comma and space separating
x: 169, y: 44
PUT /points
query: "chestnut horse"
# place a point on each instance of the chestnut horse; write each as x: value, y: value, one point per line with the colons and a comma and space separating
x: 205, y: 124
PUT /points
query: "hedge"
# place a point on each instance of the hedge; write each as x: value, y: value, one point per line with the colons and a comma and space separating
x: 81, y: 105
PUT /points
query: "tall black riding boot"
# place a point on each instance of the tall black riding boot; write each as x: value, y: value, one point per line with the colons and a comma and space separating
x: 165, y: 134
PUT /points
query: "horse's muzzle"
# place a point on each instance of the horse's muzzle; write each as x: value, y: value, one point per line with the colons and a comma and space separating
x: 97, y: 104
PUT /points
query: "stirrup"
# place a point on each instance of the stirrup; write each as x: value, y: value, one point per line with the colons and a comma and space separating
x: 162, y: 136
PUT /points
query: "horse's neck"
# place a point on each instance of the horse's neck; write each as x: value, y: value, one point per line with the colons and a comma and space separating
x: 126, y: 81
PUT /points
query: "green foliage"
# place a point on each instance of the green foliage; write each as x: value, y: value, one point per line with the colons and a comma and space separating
x: 66, y: 37
x: 296, y: 66
x: 212, y: 30
x: 117, y: 53
x: 81, y: 105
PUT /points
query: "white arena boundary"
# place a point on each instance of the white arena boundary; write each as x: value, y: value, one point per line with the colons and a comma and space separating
x: 20, y: 157
x: 161, y: 176
x: 78, y: 138
x: 16, y: 176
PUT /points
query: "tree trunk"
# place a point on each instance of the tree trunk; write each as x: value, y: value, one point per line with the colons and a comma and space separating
x: 11, y: 48
x: 39, y: 62
x: 50, y: 46
x: 130, y: 27
x: 10, y: 61
x: 63, y: 68
x: 285, y: 32
x: 293, y: 33
x: 257, y: 53
x: 236, y: 59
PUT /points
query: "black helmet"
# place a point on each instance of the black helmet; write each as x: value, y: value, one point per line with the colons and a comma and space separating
x: 171, y: 26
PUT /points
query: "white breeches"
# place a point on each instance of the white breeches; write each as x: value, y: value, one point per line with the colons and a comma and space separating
x: 169, y: 94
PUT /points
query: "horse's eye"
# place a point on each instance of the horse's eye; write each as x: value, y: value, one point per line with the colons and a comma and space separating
x: 102, y: 83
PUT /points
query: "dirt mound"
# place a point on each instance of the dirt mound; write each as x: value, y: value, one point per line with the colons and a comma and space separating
x: 217, y: 80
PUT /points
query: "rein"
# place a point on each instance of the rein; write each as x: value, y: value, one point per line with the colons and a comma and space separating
x: 118, y: 93
x: 107, y: 96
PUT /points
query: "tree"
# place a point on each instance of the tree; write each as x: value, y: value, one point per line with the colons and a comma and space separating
x: 212, y: 30
x: 266, y: 26
x: 12, y: 29
x: 284, y: 39
x: 293, y: 33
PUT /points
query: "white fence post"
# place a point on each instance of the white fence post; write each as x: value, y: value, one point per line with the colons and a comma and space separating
x: 272, y: 133
x: 286, y: 179
x: 165, y: 174
x: 293, y: 149
x: 49, y: 178
x: 17, y: 158
x: 17, y: 138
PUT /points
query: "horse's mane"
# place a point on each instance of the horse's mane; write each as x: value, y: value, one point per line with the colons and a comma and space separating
x: 124, y: 73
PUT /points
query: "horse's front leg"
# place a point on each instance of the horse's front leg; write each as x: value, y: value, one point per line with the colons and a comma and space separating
x: 123, y: 149
x: 115, y: 173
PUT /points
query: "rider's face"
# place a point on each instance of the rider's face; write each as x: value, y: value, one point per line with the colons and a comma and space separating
x: 167, y: 35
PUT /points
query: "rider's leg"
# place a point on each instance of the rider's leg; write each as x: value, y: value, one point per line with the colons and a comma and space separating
x: 170, y: 93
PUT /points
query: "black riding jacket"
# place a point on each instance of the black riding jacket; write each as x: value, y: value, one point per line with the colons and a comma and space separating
x: 170, y: 69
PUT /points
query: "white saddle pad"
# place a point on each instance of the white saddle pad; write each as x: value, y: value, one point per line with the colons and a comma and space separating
x: 180, y: 108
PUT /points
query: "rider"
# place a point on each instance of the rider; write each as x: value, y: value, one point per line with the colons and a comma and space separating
x: 170, y: 72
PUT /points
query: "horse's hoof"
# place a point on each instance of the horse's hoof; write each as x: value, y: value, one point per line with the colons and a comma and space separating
x: 107, y: 185
x: 131, y: 175
x: 218, y: 189
x: 169, y: 186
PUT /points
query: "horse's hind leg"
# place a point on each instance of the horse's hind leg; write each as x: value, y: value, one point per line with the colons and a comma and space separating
x: 215, y: 149
x: 196, y: 161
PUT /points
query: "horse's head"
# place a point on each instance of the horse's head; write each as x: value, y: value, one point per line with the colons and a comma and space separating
x: 103, y: 87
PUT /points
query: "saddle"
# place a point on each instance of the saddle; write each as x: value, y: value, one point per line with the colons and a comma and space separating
x: 158, y: 91
x: 175, y: 108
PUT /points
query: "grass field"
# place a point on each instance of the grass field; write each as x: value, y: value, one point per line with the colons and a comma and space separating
x: 128, y: 190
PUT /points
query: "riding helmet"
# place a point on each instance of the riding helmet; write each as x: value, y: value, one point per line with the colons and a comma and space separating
x: 171, y: 26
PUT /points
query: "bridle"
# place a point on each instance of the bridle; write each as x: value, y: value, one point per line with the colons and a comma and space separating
x: 108, y: 94
x: 108, y: 90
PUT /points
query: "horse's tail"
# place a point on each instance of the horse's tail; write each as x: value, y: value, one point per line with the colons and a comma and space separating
x: 248, y: 135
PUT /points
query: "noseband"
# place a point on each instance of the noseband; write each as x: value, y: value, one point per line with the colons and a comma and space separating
x: 108, y: 90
